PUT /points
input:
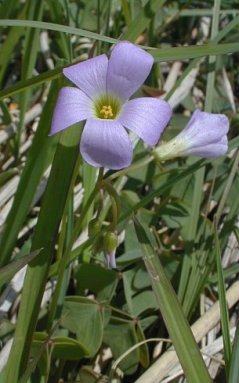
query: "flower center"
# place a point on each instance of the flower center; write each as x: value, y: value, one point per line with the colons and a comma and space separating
x: 106, y: 112
x: 107, y: 107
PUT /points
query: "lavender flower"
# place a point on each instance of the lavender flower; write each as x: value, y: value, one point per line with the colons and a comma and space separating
x: 102, y: 99
x: 204, y: 136
x: 110, y: 262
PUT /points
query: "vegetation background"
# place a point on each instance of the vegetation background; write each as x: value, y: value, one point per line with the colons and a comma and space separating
x: 71, y: 319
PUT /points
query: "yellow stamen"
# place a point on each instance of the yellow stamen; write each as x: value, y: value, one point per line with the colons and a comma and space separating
x: 106, y: 111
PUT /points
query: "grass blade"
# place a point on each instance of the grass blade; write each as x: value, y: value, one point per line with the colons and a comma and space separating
x: 223, y: 307
x: 234, y: 368
x: 39, y: 157
x: 179, y: 330
x: 8, y: 271
x: 44, y: 237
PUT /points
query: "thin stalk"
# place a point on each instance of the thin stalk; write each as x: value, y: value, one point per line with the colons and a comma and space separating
x: 131, y: 168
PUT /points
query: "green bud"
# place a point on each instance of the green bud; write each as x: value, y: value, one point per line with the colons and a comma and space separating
x: 110, y: 242
x: 94, y: 227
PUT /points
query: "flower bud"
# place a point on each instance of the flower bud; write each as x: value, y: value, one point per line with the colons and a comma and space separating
x: 204, y: 136
x: 109, y: 244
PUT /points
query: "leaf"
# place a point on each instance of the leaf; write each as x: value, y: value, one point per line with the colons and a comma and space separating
x: 183, y: 340
x: 62, y: 347
x: 143, y: 349
x: 121, y: 336
x: 44, y: 236
x: 38, y: 159
x: 84, y: 317
x: 68, y: 349
x: 8, y: 271
x: 234, y: 366
x: 100, y: 281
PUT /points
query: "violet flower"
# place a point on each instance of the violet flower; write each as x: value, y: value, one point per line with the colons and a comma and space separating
x: 102, y: 99
x: 110, y: 262
x: 204, y: 136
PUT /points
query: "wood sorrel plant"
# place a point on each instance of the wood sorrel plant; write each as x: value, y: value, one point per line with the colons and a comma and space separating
x: 91, y: 305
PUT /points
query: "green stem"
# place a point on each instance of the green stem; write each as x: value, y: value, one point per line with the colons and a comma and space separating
x: 115, y: 205
x: 131, y: 168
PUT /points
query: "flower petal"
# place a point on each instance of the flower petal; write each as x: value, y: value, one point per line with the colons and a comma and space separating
x: 71, y: 107
x: 106, y: 143
x: 110, y: 262
x: 213, y: 150
x: 89, y: 75
x: 129, y: 66
x: 147, y: 117
x: 205, y: 128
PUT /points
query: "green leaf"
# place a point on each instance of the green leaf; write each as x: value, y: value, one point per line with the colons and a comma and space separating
x: 143, y: 349
x: 44, y: 237
x: 191, y: 52
x: 62, y: 347
x: 87, y: 375
x: 183, y: 340
x: 68, y: 349
x: 56, y: 27
x: 223, y: 308
x: 100, y: 281
x: 84, y: 317
x: 8, y: 271
x: 121, y: 336
x: 4, y: 176
x: 143, y: 19
x: 234, y: 367
x: 38, y: 159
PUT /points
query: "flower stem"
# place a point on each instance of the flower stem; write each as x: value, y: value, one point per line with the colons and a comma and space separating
x: 131, y: 168
x: 114, y: 203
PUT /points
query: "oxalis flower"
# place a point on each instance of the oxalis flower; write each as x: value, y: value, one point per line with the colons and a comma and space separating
x: 204, y: 136
x: 102, y: 99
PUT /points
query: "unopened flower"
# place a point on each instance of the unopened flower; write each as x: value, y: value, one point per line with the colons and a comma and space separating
x: 102, y: 99
x: 110, y: 242
x: 204, y: 136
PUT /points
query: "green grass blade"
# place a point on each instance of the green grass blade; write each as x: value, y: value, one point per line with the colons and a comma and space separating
x: 8, y: 271
x: 30, y: 50
x: 143, y: 19
x: 22, y: 85
x: 56, y: 27
x: 7, y: 6
x: 191, y: 230
x: 39, y: 158
x: 179, y: 330
x: 234, y: 368
x: 189, y: 262
x: 9, y: 44
x: 55, y: 73
x: 164, y: 54
x: 223, y: 308
x: 44, y: 237
x: 191, y: 52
